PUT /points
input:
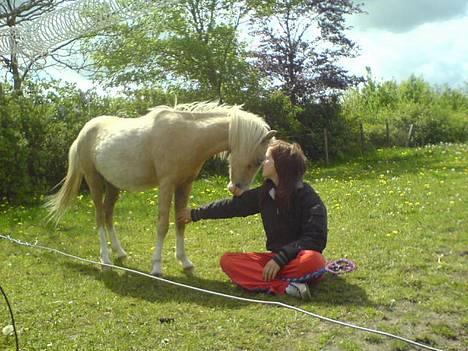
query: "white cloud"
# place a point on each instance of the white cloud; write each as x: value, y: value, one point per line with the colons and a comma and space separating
x: 81, y: 81
x: 438, y: 51
x: 70, y: 76
x: 404, y: 15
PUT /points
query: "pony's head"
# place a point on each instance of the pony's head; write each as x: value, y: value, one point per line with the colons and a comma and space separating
x: 249, y: 137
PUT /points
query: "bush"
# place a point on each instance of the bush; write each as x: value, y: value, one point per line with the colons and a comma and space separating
x: 437, y: 115
x: 36, y: 130
x: 343, y: 135
x: 14, y: 154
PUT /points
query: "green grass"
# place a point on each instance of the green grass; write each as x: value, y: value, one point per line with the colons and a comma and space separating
x: 400, y: 214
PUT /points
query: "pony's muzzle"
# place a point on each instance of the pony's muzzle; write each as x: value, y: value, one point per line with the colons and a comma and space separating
x: 236, y: 189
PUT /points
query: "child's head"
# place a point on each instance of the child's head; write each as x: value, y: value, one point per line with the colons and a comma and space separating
x: 285, y: 164
x: 289, y: 161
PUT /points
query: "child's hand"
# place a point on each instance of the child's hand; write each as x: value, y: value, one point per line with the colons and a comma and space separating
x: 184, y: 216
x: 270, y: 270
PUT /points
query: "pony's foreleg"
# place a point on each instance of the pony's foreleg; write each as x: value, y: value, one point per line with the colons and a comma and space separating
x: 165, y: 198
x: 181, y: 198
x: 111, y: 197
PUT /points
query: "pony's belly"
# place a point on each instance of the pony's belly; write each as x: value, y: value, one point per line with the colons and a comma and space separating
x: 133, y: 173
x: 136, y: 184
x: 130, y: 181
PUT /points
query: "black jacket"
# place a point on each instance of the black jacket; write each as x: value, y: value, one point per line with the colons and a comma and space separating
x: 302, y: 227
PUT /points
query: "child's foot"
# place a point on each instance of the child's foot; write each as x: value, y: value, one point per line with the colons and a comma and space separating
x: 299, y: 290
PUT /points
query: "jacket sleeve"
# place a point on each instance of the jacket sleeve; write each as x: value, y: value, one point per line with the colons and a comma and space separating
x: 240, y: 206
x: 314, y: 230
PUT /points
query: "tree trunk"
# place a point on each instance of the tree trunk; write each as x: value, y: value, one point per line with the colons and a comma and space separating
x: 17, y: 81
x: 14, y: 65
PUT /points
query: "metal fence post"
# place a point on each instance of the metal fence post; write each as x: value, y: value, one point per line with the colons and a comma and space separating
x: 409, y: 135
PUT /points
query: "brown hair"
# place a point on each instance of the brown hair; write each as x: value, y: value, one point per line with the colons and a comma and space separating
x: 290, y: 165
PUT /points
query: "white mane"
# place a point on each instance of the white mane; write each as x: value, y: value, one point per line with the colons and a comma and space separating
x: 246, y: 130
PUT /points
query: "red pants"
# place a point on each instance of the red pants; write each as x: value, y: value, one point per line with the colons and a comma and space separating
x: 246, y: 270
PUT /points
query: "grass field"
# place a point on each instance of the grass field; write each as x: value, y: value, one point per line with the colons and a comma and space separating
x: 400, y: 214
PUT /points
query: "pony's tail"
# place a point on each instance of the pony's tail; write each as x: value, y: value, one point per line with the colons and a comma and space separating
x: 58, y: 203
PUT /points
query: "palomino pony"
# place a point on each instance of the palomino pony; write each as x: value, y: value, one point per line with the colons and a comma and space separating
x: 167, y: 148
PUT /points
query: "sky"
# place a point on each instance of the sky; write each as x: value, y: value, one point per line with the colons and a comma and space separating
x: 398, y: 38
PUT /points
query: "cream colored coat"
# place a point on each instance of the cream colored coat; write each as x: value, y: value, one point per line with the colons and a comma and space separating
x: 167, y: 148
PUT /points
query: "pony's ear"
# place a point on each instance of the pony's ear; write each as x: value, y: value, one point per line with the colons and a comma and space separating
x: 269, y: 136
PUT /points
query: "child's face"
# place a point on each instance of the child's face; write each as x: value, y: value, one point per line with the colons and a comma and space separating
x: 269, y: 170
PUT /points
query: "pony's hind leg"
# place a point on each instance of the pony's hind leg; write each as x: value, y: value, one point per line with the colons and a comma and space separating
x: 110, y: 198
x: 181, y: 198
x: 166, y: 191
x: 96, y: 186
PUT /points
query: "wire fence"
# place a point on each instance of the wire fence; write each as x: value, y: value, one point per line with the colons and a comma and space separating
x: 36, y: 37
x: 369, y: 137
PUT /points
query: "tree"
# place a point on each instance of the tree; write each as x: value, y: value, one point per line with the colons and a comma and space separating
x: 35, y: 34
x: 301, y: 44
x: 191, y: 44
x: 18, y: 12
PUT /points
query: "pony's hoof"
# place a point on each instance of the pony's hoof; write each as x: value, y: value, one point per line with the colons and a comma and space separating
x: 190, y: 271
x: 120, y: 261
x: 156, y: 273
x: 105, y: 267
x: 122, y: 257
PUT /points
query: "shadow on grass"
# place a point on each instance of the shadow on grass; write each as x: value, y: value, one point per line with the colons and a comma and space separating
x: 332, y: 291
x: 336, y: 290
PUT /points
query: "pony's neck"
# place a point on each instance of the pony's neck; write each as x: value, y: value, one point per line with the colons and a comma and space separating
x: 217, y: 133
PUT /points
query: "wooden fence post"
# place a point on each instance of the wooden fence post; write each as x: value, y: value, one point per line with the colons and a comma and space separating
x: 410, y: 132
x: 387, y: 132
x: 325, y: 140
x: 361, y: 128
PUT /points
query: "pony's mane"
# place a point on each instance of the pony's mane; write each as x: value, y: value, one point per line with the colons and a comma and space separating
x: 200, y: 107
x: 198, y: 110
x: 246, y: 130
